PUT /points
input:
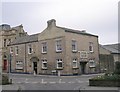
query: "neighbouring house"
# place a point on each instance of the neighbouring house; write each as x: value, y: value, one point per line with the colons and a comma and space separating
x: 7, y: 35
x: 109, y: 54
x: 56, y: 50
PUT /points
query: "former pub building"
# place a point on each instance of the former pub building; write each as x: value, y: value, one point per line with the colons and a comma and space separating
x: 55, y: 49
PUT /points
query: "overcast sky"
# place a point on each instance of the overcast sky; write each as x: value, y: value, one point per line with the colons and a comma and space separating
x: 99, y: 17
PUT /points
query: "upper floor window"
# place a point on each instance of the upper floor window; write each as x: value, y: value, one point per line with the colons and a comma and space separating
x: 91, y: 63
x: 74, y: 46
x: 91, y: 47
x: 9, y: 41
x: 75, y: 63
x: 11, y: 49
x: 58, y: 45
x: 44, y: 64
x: 59, y: 64
x: 16, y: 50
x: 4, y: 42
x: 29, y: 49
x: 44, y: 47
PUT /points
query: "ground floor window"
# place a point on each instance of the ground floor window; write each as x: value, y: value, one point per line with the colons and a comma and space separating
x: 91, y: 63
x: 75, y: 63
x: 44, y: 64
x: 59, y: 63
x: 19, y: 65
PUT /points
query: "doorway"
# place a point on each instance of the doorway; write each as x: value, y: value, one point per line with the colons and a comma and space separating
x: 35, y: 67
x: 5, y: 65
x: 83, y: 67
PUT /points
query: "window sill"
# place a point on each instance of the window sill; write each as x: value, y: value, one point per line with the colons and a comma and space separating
x: 74, y: 51
x: 58, y: 51
x: 92, y: 66
x: 59, y: 68
x: 29, y: 53
x: 44, y: 52
x: 44, y: 68
x: 75, y: 68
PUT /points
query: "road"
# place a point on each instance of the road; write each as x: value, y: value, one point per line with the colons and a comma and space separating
x: 39, y: 82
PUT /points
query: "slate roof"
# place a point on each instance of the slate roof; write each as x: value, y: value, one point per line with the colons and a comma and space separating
x: 5, y: 27
x: 25, y: 39
x: 76, y: 31
x: 113, y: 48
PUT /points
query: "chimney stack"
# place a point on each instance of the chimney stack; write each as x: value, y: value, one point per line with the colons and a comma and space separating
x: 51, y: 23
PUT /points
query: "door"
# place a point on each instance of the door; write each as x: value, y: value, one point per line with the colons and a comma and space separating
x: 35, y: 67
x: 5, y: 65
x: 83, y: 67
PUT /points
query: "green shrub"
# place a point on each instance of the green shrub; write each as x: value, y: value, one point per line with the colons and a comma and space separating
x: 111, y: 77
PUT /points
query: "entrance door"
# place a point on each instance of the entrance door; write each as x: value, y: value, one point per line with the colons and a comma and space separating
x: 5, y: 65
x: 83, y: 66
x: 35, y: 67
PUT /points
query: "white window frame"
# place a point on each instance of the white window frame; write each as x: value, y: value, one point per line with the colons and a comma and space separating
x: 30, y: 47
x: 74, y: 42
x: 91, y: 46
x: 44, y: 61
x: 11, y: 49
x: 83, y: 54
x: 44, y: 45
x: 16, y: 50
x: 19, y: 65
x: 76, y: 63
x: 59, y: 61
x: 58, y: 45
x: 93, y: 64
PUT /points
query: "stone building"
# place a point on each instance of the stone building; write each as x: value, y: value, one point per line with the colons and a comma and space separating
x: 56, y: 50
x: 7, y: 35
x: 109, y: 54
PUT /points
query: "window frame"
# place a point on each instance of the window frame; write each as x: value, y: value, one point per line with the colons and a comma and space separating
x: 11, y: 50
x: 58, y: 44
x: 91, y: 46
x: 74, y: 43
x: 74, y: 60
x: 44, y: 61
x: 58, y: 62
x: 16, y: 50
x: 30, y: 49
x: 19, y: 65
x: 93, y: 65
x: 44, y: 45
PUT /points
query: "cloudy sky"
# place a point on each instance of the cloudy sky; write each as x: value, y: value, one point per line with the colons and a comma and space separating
x: 99, y: 17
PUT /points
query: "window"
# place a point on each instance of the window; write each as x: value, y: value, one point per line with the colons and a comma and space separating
x: 58, y: 46
x: 4, y: 42
x: 75, y: 63
x: 11, y: 49
x: 44, y: 47
x: 59, y: 64
x: 83, y: 54
x: 9, y: 41
x: 74, y: 46
x: 91, y: 63
x: 16, y: 50
x: 91, y: 47
x: 44, y: 64
x: 19, y: 65
x: 29, y: 49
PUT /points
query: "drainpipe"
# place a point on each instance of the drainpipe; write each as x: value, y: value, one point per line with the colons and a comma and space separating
x: 25, y: 59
